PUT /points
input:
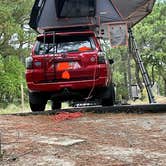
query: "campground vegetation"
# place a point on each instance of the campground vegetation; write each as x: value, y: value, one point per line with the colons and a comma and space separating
x: 16, y: 39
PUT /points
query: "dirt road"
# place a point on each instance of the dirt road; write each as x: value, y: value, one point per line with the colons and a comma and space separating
x: 91, y: 140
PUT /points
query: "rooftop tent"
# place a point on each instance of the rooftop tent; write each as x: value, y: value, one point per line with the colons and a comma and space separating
x: 53, y: 14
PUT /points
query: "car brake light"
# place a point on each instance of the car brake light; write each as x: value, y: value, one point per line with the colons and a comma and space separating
x: 101, y: 58
x: 28, y: 62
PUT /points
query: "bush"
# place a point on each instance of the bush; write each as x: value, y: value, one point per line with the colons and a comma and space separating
x: 11, y: 77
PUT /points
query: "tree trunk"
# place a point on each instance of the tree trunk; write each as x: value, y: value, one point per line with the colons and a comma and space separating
x: 139, y: 82
x: 129, y: 76
x: 153, y: 75
x: 164, y: 87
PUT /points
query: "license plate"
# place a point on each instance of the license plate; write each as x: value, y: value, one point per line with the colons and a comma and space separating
x: 67, y: 66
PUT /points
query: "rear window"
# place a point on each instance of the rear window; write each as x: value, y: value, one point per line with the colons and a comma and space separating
x: 64, y: 44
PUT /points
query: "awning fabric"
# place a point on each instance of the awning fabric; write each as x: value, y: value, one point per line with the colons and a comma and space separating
x: 53, y: 14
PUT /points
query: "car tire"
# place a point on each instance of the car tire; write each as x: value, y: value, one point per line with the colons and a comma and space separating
x: 108, y: 97
x: 37, y: 107
x: 37, y: 101
x: 56, y: 105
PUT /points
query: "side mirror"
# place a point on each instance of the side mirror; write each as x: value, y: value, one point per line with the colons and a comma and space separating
x: 111, y: 61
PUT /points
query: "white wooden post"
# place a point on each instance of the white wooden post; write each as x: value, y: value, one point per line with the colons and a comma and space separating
x: 22, y: 98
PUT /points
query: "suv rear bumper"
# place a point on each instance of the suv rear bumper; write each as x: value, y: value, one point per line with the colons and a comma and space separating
x: 73, y: 85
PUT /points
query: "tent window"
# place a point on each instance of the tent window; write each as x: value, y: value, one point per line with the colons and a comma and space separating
x: 75, y: 8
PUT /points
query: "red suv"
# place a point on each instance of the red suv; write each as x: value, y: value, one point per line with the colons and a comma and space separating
x: 68, y: 66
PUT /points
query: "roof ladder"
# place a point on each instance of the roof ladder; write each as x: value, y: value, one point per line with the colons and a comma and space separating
x: 133, y: 49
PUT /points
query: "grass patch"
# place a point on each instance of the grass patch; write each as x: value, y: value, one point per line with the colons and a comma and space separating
x: 12, y: 108
x: 159, y: 99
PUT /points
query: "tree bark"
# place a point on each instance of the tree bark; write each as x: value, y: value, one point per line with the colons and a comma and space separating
x: 139, y: 82
x: 129, y: 76
x: 164, y: 87
x: 153, y: 75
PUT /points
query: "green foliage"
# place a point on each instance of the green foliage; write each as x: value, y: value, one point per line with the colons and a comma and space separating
x: 15, y: 41
x: 11, y: 75
x: 13, y: 35
x: 119, y: 70
x: 151, y: 37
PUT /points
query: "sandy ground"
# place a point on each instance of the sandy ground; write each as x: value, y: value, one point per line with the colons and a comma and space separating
x: 91, y: 140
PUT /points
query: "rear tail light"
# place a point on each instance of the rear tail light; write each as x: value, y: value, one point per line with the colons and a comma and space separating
x: 101, y: 58
x: 28, y: 62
